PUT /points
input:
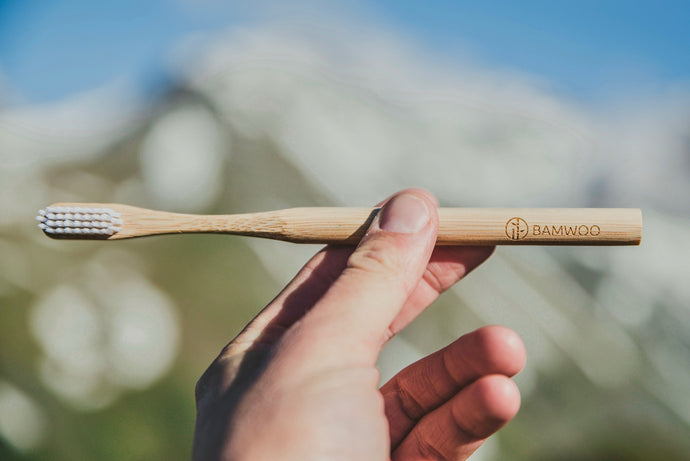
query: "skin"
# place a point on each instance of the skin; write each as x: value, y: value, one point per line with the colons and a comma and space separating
x: 300, y: 381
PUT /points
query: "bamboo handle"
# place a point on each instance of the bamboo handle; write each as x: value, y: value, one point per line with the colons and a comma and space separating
x: 478, y: 226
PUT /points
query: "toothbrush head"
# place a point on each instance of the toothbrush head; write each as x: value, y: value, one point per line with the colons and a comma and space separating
x: 79, y: 222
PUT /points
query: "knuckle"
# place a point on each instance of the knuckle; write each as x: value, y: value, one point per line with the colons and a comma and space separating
x: 221, y: 370
x: 410, y: 406
x: 427, y: 448
x: 434, y: 280
x: 371, y: 260
x: 376, y: 258
x: 206, y: 384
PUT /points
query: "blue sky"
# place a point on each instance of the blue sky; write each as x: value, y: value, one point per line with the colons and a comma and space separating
x: 53, y: 49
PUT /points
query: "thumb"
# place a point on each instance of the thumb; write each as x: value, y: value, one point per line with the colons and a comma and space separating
x: 355, y: 314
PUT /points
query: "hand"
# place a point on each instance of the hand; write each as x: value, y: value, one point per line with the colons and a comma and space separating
x: 300, y: 382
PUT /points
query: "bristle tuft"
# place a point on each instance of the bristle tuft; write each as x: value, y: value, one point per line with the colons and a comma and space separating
x: 79, y: 221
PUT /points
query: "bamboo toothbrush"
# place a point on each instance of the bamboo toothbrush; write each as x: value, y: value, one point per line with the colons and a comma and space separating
x: 458, y: 226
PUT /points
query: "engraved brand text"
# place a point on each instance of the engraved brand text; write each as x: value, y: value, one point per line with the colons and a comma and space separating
x: 518, y: 229
x: 567, y: 230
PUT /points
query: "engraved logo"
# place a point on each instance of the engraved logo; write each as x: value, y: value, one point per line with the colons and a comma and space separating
x: 516, y: 228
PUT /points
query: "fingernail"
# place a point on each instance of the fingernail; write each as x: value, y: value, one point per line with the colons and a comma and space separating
x: 404, y: 214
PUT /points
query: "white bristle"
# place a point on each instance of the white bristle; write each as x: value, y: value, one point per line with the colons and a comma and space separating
x: 79, y: 221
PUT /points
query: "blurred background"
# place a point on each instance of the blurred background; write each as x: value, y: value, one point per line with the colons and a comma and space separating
x: 218, y: 107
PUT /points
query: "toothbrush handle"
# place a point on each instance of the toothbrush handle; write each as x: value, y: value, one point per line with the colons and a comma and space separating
x: 473, y: 226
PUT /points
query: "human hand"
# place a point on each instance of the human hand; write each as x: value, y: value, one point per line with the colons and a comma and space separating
x: 300, y: 381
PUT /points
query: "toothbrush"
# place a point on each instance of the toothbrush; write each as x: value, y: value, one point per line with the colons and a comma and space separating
x: 457, y: 226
